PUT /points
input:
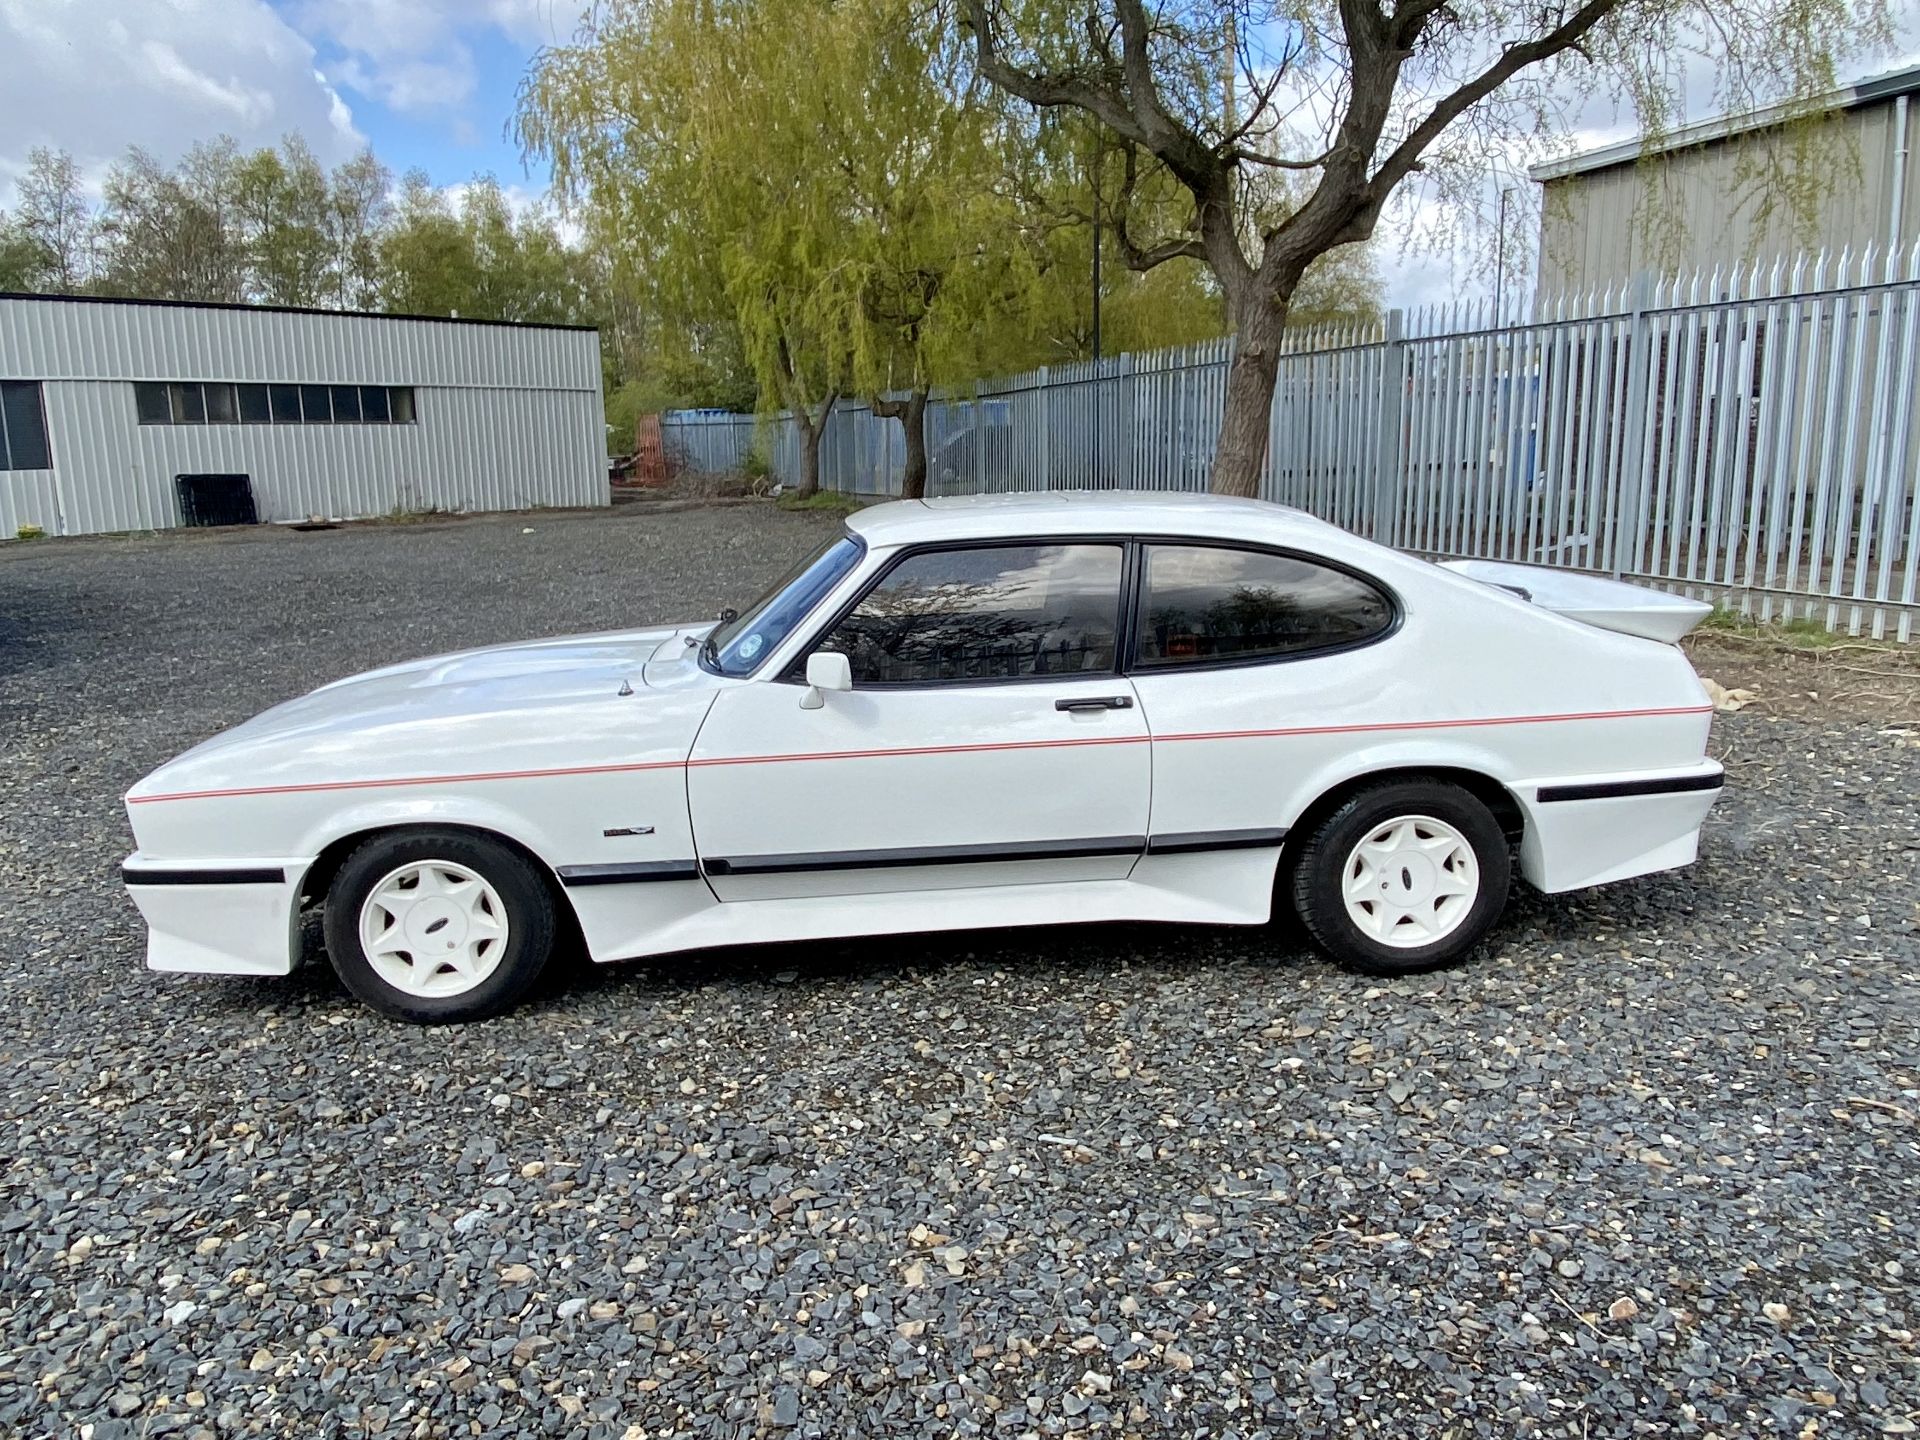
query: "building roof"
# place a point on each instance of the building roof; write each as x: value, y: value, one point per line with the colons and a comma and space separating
x: 1722, y: 127
x: 288, y: 310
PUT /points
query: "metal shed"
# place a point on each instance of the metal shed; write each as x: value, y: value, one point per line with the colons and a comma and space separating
x: 1695, y: 200
x: 105, y: 403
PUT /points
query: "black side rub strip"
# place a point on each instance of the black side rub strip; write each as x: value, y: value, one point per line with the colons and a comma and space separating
x: 1192, y: 842
x: 636, y: 873
x: 924, y: 855
x: 262, y: 875
x: 1617, y: 789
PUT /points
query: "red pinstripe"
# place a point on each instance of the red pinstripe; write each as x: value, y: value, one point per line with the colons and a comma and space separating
x: 1378, y: 728
x: 321, y: 785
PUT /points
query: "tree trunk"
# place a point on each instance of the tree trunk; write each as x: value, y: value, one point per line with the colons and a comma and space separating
x: 912, y: 415
x: 812, y: 431
x: 1240, y: 459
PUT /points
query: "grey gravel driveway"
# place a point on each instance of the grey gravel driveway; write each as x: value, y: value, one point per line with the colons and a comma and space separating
x: 1648, y: 1166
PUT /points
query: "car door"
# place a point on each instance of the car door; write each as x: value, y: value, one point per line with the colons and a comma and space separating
x: 988, y: 739
x: 1255, y: 669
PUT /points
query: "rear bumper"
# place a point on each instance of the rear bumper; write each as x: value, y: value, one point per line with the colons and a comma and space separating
x: 1586, y: 830
x: 217, y: 917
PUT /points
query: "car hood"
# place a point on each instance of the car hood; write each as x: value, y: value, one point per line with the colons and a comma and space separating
x: 496, y: 707
x: 565, y: 665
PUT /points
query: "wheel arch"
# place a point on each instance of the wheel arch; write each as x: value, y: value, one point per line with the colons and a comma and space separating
x: 1483, y: 787
x: 318, y: 880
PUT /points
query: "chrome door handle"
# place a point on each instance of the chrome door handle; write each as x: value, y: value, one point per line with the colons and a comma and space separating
x: 1096, y: 702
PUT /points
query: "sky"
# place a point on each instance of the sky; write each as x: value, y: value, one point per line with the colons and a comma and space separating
x: 430, y: 84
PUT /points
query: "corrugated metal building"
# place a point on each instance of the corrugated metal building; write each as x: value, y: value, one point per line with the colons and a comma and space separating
x: 1704, y: 182
x: 104, y: 402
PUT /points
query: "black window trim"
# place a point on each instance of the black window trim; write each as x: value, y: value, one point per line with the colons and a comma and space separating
x: 166, y: 387
x: 846, y: 533
x: 1132, y: 584
x: 1397, y: 612
x: 796, y: 672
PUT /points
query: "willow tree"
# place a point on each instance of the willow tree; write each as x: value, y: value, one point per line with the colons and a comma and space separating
x: 827, y: 167
x: 1347, y: 100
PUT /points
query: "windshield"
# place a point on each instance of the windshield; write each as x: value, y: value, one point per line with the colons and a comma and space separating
x: 739, y: 645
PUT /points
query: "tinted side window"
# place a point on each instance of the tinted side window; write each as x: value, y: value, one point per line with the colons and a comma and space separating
x: 987, y: 613
x: 1207, y: 603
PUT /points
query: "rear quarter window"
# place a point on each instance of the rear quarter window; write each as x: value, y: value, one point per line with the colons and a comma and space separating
x: 1215, y: 604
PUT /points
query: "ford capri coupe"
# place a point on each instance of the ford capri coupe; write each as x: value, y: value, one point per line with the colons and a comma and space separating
x: 971, y: 712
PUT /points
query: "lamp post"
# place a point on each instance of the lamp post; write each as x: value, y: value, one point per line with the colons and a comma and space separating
x: 1500, y: 259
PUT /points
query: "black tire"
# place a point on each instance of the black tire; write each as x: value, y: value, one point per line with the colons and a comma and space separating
x: 523, y: 891
x: 1319, y: 874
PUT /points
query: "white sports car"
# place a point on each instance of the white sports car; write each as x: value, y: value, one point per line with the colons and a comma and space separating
x: 979, y: 712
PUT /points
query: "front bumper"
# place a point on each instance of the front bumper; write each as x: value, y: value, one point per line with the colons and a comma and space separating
x: 1586, y: 830
x: 226, y: 917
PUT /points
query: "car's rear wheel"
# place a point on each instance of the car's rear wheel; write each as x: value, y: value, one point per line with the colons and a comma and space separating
x: 436, y: 926
x: 1403, y: 876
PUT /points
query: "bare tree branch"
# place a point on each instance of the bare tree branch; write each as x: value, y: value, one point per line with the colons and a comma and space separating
x: 1514, y: 58
x: 1144, y: 257
x: 1276, y: 162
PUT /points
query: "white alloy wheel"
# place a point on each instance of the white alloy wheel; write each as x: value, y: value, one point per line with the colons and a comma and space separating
x: 1412, y: 881
x: 433, y: 928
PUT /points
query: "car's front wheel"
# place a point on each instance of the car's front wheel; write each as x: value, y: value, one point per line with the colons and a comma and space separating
x: 1403, y: 876
x: 436, y: 926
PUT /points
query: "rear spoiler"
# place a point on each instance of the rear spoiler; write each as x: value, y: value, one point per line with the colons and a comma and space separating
x: 1604, y: 604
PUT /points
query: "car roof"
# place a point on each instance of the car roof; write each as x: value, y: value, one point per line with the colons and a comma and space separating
x: 1081, y: 512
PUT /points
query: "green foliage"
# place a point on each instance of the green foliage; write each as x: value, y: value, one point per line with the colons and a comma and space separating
x: 49, y: 237
x: 479, y: 260
x: 275, y: 227
x: 1793, y: 633
x: 759, y: 464
x: 818, y: 173
x: 21, y: 261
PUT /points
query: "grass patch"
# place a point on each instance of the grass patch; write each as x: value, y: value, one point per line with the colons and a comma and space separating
x: 830, y: 501
x: 1799, y: 633
x: 403, y: 514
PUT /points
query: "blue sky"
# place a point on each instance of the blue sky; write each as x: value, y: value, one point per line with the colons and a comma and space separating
x: 431, y: 85
x: 453, y: 141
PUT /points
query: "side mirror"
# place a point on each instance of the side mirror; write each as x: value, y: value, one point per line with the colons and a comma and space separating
x: 826, y: 670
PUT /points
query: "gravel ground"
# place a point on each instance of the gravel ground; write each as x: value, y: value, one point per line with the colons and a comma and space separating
x: 1648, y: 1166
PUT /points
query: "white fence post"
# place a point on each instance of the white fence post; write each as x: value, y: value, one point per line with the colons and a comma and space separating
x: 1389, y: 432
x: 1630, y: 483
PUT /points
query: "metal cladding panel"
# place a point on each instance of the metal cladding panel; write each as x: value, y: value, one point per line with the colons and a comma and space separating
x: 508, y: 416
x: 62, y: 339
x: 471, y: 449
x: 1716, y: 210
x: 26, y: 498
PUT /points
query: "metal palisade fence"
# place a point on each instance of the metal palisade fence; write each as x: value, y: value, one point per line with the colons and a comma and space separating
x: 1748, y: 435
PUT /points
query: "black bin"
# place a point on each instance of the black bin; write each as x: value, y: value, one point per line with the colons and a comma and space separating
x: 216, y: 500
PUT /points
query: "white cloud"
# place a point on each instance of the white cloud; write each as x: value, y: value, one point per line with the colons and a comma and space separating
x: 95, y: 76
x: 413, y: 56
